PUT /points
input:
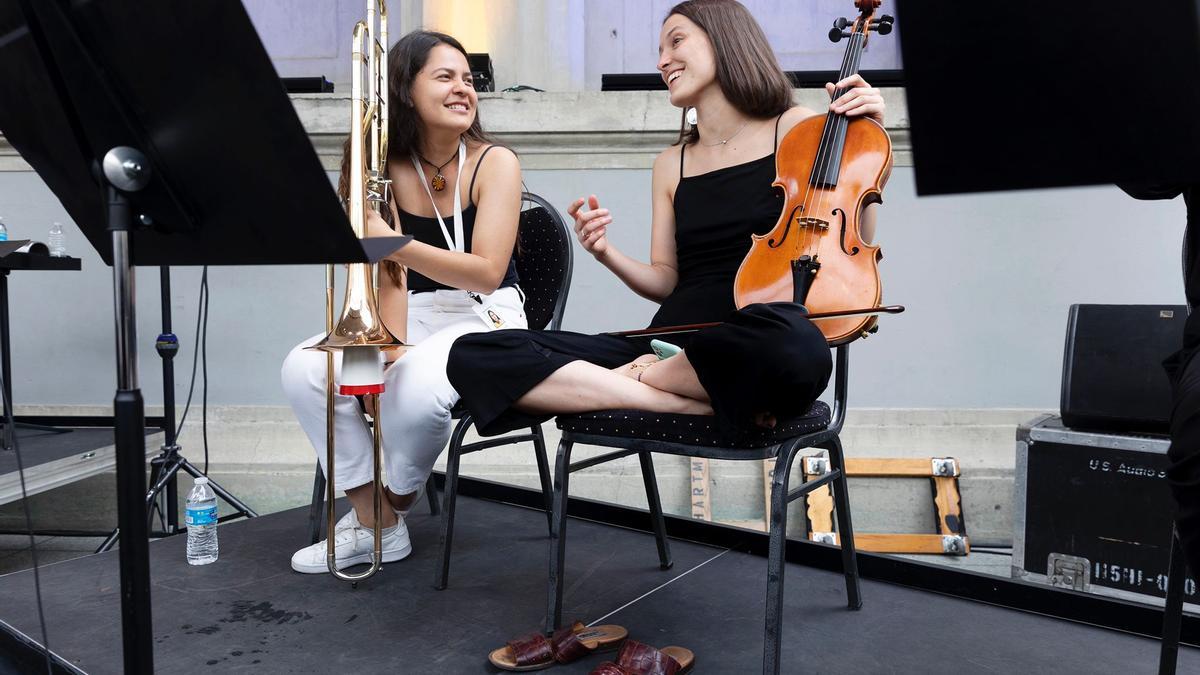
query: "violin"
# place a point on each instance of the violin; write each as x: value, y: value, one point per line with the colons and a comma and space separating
x: 830, y: 168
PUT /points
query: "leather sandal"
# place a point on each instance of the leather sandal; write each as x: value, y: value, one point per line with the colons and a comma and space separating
x: 535, y: 651
x: 641, y: 659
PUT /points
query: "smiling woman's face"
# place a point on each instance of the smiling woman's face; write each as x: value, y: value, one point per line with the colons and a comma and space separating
x: 442, y: 92
x: 686, y: 59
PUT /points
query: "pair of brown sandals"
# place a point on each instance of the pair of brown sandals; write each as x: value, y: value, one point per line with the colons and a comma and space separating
x: 535, y: 652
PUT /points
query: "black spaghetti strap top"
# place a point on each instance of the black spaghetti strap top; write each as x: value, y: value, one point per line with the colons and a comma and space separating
x: 715, y: 214
x: 426, y: 229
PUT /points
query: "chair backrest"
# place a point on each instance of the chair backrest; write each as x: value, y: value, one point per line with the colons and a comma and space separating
x: 544, y: 262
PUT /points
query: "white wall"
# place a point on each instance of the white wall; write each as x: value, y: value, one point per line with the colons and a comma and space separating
x: 987, y: 280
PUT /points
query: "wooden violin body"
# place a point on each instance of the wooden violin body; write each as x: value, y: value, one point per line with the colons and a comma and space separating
x: 821, y: 221
x: 830, y: 168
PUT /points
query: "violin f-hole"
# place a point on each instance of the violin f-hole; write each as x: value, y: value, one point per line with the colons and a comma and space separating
x: 791, y: 217
x: 842, y: 233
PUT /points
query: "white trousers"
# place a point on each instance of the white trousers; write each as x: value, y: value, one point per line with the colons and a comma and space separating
x: 415, y: 406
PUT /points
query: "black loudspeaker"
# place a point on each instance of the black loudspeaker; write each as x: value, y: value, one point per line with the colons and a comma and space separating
x: 1113, y: 377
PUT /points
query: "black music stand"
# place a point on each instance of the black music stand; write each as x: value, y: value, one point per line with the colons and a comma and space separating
x: 1018, y: 95
x: 164, y: 132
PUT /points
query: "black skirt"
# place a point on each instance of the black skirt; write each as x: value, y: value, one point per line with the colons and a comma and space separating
x: 764, y: 357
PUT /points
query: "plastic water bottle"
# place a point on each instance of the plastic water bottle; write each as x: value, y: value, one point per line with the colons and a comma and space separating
x: 201, y: 524
x: 3, y: 231
x: 58, y: 248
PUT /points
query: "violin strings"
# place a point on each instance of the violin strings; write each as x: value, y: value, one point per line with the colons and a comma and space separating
x: 821, y: 161
x: 841, y: 121
x: 835, y: 122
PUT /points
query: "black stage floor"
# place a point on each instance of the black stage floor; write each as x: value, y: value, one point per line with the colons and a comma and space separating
x: 250, y: 613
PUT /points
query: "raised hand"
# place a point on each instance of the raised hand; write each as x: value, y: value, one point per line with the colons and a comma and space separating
x: 861, y: 100
x: 591, y: 224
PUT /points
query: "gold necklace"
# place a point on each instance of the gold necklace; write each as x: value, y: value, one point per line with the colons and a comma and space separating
x: 713, y: 145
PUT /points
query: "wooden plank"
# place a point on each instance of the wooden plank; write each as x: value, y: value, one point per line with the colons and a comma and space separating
x: 889, y: 467
x: 875, y: 542
x: 820, y: 510
x: 701, y: 499
x: 947, y: 505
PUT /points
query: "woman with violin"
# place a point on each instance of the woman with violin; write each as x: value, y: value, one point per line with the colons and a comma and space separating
x: 712, y: 191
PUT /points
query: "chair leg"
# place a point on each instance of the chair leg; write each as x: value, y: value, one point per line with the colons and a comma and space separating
x: 431, y: 495
x: 656, y: 514
x: 450, y: 497
x: 316, y: 508
x: 841, y: 506
x: 558, y: 543
x: 1173, y: 611
x: 543, y: 465
x: 776, y: 552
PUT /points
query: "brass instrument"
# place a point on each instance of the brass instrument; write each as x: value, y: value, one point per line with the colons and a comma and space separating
x: 360, y: 333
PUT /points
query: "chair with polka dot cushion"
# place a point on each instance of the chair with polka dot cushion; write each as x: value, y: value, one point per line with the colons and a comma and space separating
x: 544, y: 268
x: 638, y: 432
x: 543, y: 260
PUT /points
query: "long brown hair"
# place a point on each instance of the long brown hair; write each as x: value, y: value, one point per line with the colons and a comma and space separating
x: 406, y: 58
x: 747, y: 70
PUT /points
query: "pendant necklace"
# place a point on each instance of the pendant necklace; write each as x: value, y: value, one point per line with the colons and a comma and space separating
x: 439, y: 181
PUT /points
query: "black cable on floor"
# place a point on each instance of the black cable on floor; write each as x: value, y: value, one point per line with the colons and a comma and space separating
x: 37, y: 578
x: 200, y: 301
x: 204, y: 369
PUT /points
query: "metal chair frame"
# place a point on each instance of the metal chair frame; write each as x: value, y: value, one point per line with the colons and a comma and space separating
x: 784, y: 453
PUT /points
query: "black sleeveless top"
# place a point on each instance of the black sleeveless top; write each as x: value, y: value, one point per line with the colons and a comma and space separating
x: 426, y: 229
x: 715, y: 214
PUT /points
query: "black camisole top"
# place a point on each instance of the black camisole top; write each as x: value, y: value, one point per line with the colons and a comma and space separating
x: 426, y: 229
x: 715, y: 214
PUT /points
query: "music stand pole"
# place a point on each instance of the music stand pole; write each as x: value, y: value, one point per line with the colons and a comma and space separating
x: 125, y: 169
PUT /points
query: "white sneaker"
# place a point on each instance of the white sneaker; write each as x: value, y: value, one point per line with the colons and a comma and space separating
x: 353, y: 546
x: 351, y: 518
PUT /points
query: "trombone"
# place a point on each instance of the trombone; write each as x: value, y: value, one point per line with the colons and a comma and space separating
x: 360, y: 334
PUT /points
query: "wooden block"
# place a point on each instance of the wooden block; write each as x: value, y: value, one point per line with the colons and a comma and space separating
x: 701, y: 499
x: 947, y: 506
x: 889, y: 467
x: 898, y: 543
x: 820, y: 510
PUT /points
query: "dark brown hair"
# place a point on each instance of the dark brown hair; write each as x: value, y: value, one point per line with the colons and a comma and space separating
x: 406, y: 58
x: 747, y: 70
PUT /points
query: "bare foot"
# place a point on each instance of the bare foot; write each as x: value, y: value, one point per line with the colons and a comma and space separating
x: 636, y: 366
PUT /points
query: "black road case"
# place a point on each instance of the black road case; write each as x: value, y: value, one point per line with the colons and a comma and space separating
x: 1092, y: 511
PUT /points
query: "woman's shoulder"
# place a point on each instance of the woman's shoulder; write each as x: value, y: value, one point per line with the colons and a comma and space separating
x: 791, y: 117
x: 668, y: 158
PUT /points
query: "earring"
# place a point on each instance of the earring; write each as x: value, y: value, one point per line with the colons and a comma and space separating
x: 690, y: 116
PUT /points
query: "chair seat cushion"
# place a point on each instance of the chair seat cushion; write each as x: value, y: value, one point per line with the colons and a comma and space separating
x: 701, y: 430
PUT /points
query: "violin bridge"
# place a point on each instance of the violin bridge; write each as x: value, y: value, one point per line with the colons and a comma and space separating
x: 814, y: 223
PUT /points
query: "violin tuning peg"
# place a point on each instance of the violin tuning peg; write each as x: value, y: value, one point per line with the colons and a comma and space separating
x: 837, y: 34
x: 883, y: 28
x: 840, y: 23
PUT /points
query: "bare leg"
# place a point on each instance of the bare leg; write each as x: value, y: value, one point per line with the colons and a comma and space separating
x: 580, y: 386
x: 362, y: 498
x: 676, y: 375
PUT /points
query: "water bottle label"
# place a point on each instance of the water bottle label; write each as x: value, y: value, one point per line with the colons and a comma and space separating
x: 202, y: 516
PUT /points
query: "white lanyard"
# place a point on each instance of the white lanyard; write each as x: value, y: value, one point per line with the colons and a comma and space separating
x: 457, y: 243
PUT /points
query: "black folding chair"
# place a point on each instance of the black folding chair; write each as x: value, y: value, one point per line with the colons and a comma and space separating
x: 641, y: 433
x: 544, y: 266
